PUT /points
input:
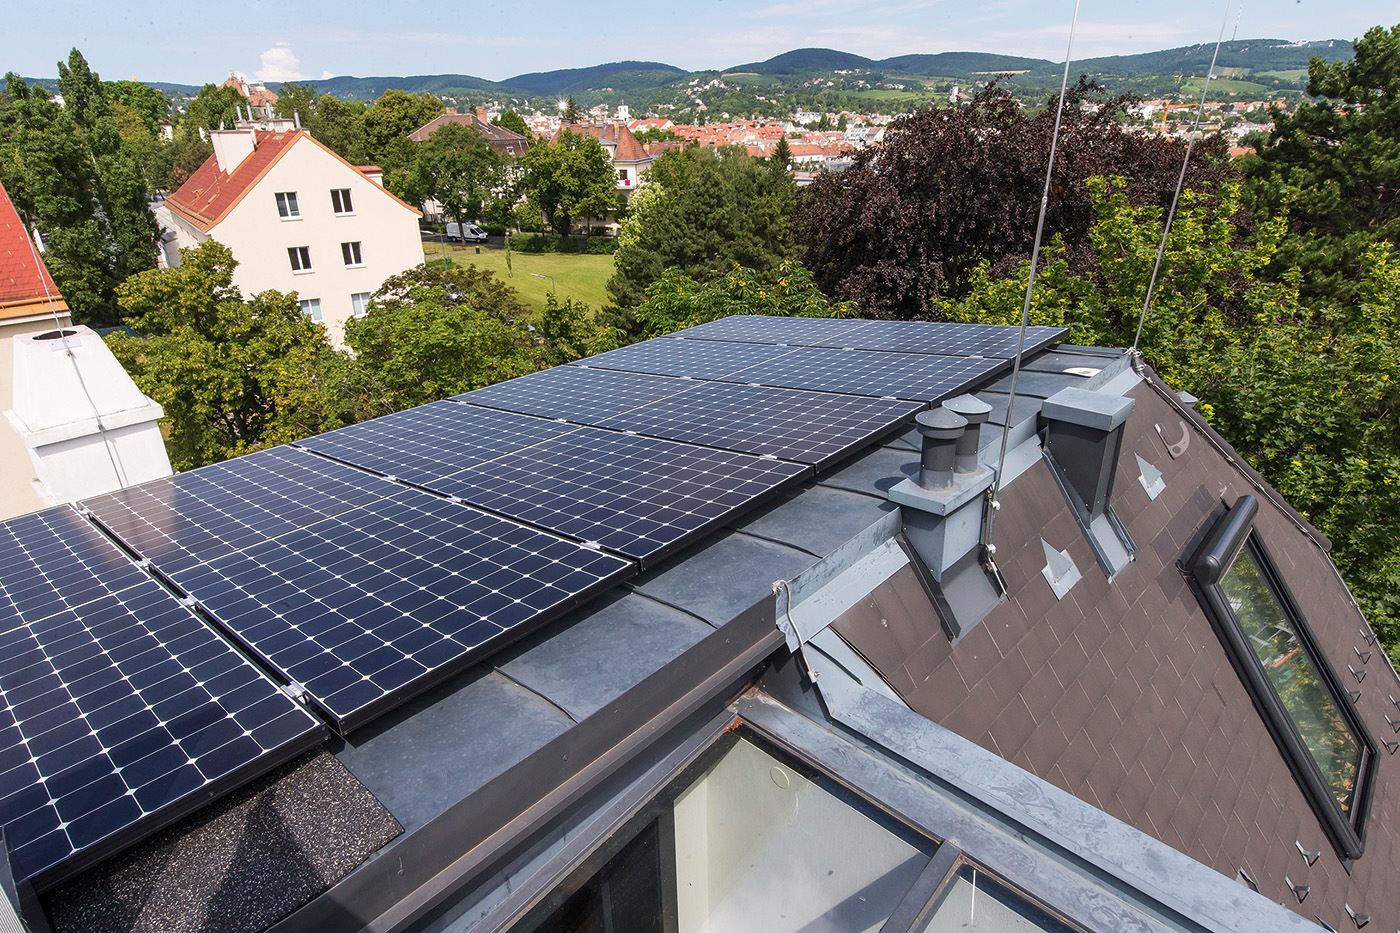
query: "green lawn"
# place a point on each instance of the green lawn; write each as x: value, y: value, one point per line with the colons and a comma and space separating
x: 578, y: 276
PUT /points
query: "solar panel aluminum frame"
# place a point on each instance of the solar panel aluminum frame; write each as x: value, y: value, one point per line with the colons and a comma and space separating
x: 169, y: 813
x: 345, y: 724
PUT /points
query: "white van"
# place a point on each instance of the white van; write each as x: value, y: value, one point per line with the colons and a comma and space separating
x: 466, y: 233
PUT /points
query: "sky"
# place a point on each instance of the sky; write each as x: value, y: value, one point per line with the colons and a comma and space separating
x: 194, y: 41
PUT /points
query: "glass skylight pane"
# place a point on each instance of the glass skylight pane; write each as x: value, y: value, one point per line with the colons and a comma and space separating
x: 1295, y: 676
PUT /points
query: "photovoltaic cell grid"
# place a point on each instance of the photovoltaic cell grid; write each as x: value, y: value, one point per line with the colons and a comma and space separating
x: 576, y: 393
x: 370, y: 604
x: 675, y: 356
x: 119, y: 709
x: 189, y: 518
x: 441, y: 437
x: 791, y: 424
x: 916, y: 376
x: 935, y: 337
x: 633, y: 495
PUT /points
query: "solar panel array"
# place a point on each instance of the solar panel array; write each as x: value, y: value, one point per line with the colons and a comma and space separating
x: 372, y: 591
x: 117, y: 705
x: 360, y: 566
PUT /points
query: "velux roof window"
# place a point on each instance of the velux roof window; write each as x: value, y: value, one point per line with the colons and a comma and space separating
x: 1301, y: 699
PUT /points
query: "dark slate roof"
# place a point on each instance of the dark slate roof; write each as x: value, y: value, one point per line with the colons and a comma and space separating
x: 1122, y: 694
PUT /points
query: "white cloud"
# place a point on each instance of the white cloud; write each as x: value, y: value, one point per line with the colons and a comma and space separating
x: 279, y: 63
x: 326, y: 75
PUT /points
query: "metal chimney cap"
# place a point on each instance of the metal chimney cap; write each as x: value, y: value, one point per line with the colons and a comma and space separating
x: 941, y: 424
x: 1097, y: 410
x: 970, y: 407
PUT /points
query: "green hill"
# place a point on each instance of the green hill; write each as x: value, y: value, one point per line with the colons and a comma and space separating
x: 801, y: 61
x: 617, y: 75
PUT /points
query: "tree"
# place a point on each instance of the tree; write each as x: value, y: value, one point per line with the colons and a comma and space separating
x: 432, y: 332
x: 214, y: 106
x: 387, y: 123
x: 952, y: 186
x: 571, y: 113
x: 145, y: 101
x: 782, y: 154
x: 233, y: 374
x: 1307, y: 390
x: 456, y: 167
x: 340, y: 124
x: 654, y: 135
x: 567, y: 330
x: 81, y: 90
x: 676, y: 300
x: 569, y: 179
x: 81, y: 186
x: 514, y: 122
x: 1335, y: 163
x: 702, y: 211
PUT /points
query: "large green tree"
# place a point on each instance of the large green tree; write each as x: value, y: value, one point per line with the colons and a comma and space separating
x: 456, y: 167
x: 387, y: 123
x: 677, y: 300
x: 214, y: 106
x: 233, y: 374
x: 1308, y: 390
x: 340, y: 124
x: 1335, y: 163
x: 436, y: 331
x: 513, y: 122
x: 703, y: 211
x: 145, y: 101
x: 74, y: 177
x: 570, y: 179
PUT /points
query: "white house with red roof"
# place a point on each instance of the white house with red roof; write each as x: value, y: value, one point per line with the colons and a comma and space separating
x: 297, y: 217
x: 72, y: 423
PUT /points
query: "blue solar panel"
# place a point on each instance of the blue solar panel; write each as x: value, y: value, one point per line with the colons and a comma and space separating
x: 368, y: 605
x: 576, y: 393
x: 945, y: 338
x: 797, y: 331
x: 675, y: 356
x: 807, y: 427
x: 430, y: 440
x: 638, y: 496
x: 120, y: 710
x: 916, y: 376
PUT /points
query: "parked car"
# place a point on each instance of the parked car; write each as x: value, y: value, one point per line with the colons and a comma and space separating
x: 466, y: 233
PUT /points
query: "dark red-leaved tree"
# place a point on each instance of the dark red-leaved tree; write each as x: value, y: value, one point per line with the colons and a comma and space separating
x: 950, y: 186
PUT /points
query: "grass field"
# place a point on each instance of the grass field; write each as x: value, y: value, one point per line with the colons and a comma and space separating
x: 581, y: 277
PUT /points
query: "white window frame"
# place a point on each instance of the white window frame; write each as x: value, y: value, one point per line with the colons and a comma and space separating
x: 340, y: 197
x: 287, y: 206
x: 311, y: 309
x: 352, y: 249
x: 359, y: 304
x: 300, y: 258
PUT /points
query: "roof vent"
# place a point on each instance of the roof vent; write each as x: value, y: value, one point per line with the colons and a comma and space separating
x: 941, y: 510
x: 1084, y: 436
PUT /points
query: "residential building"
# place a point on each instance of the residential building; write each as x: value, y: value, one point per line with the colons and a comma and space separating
x: 507, y: 142
x: 625, y: 645
x: 631, y: 161
x: 257, y: 94
x: 72, y: 423
x: 297, y: 217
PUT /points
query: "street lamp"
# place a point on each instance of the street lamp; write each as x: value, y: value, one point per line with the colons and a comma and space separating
x: 553, y: 289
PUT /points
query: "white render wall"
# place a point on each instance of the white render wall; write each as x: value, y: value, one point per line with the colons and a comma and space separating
x: 259, y: 238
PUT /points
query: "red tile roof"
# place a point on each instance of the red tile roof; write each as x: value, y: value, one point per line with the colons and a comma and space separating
x: 501, y: 139
x: 615, y: 134
x: 209, y: 194
x: 23, y: 277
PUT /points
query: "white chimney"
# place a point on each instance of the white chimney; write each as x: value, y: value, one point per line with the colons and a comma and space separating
x: 87, y: 427
x: 231, y: 147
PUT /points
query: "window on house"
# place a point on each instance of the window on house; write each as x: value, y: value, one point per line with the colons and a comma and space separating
x: 359, y: 304
x: 1304, y: 703
x: 340, y: 201
x: 287, y: 207
x: 622, y: 174
x: 351, y: 253
x: 311, y: 309
x: 300, y: 257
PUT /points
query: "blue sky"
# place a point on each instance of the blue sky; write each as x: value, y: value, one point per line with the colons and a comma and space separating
x: 193, y: 41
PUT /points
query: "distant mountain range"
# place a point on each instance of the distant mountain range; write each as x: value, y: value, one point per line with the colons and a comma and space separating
x: 1269, y: 63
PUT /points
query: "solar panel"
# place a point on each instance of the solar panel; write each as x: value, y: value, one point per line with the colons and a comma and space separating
x: 676, y: 356
x: 120, y: 710
x: 756, y: 328
x: 189, y: 518
x: 917, y: 376
x: 576, y: 393
x: 945, y: 338
x: 634, y: 495
x: 441, y: 437
x: 791, y: 424
x: 371, y: 604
